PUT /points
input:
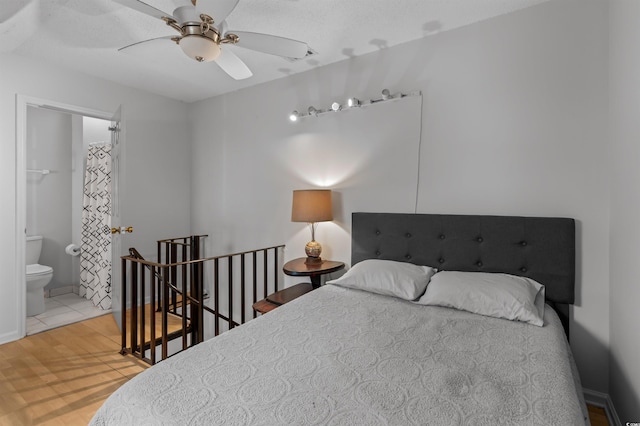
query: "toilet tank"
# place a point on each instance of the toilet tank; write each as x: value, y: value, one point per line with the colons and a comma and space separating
x: 34, y: 246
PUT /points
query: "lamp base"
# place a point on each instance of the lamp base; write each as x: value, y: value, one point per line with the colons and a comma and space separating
x: 313, y: 260
x: 313, y: 249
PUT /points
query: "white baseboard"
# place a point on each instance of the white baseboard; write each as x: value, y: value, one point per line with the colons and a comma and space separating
x: 58, y: 291
x: 602, y: 400
x: 9, y: 337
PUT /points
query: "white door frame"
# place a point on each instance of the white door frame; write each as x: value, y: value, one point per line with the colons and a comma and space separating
x: 22, y: 103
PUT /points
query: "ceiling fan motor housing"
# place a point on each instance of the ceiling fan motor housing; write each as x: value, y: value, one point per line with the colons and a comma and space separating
x: 200, y: 41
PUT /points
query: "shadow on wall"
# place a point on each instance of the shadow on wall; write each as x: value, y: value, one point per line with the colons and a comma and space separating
x: 598, y: 354
x: 579, y: 256
x: 627, y: 404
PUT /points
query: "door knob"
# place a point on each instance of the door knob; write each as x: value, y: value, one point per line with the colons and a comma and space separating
x: 122, y: 230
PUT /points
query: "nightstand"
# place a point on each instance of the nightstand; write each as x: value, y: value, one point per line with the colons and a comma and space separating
x: 298, y: 268
x: 314, y: 270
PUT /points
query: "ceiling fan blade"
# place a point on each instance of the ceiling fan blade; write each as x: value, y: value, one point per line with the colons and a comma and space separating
x: 232, y: 65
x: 144, y: 8
x: 273, y: 45
x: 155, y: 46
x: 217, y: 9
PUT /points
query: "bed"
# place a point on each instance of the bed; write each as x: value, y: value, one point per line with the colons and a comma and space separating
x: 370, y: 350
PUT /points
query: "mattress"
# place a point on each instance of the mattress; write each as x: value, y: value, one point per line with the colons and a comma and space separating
x: 340, y: 356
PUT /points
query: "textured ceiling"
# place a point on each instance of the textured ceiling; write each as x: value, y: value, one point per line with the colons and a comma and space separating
x: 85, y: 35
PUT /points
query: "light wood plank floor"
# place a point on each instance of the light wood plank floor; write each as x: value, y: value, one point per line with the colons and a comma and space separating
x: 62, y: 376
x: 174, y: 323
x: 597, y: 416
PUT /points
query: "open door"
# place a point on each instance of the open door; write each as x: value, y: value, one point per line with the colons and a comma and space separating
x: 117, y: 139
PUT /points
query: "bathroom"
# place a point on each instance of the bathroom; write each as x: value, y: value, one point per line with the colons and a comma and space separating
x: 56, y: 150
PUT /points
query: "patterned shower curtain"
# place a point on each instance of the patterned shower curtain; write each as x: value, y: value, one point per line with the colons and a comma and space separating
x: 95, y: 260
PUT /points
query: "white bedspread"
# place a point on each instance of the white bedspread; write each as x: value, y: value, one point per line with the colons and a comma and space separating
x: 345, y: 357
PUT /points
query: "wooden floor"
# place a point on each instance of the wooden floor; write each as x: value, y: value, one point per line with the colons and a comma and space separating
x: 174, y: 323
x: 597, y: 416
x: 62, y: 376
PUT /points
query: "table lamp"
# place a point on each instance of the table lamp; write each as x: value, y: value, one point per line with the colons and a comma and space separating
x: 312, y: 206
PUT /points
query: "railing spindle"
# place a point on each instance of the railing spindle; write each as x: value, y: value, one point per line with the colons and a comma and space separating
x: 134, y: 307
x: 265, y: 274
x: 183, y: 277
x: 123, y: 306
x: 216, y: 296
x: 255, y: 281
x: 152, y: 303
x: 242, y: 289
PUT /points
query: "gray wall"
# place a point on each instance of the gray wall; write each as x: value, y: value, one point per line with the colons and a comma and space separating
x: 49, y: 206
x: 625, y: 208
x: 514, y: 121
x: 155, y: 164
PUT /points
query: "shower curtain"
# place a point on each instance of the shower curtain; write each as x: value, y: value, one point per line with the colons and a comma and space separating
x: 95, y: 260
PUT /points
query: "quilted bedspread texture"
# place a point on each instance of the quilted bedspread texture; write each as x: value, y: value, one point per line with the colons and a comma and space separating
x: 346, y: 357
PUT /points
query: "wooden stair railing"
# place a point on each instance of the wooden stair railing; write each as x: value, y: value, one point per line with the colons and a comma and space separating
x: 167, y: 300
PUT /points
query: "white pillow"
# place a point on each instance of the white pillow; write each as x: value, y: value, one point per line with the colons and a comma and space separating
x: 400, y: 279
x: 496, y: 295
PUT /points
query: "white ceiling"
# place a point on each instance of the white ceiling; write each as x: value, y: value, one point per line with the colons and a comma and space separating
x: 85, y: 35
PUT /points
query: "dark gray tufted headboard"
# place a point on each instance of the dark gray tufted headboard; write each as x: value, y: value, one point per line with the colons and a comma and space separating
x: 536, y: 247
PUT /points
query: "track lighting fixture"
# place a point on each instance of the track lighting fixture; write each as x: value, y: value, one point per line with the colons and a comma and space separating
x: 351, y: 103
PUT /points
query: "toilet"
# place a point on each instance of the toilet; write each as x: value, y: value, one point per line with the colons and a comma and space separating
x: 38, y: 276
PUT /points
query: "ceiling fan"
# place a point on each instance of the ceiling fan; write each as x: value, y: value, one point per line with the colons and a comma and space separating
x: 202, y: 30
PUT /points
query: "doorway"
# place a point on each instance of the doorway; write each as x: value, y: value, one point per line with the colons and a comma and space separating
x: 57, y: 147
x: 25, y: 171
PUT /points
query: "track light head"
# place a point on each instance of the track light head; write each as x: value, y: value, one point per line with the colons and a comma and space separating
x: 294, y: 116
x: 336, y: 106
x: 313, y: 111
x: 386, y: 94
x: 353, y: 102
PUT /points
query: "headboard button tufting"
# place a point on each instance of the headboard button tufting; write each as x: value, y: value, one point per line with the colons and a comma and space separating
x: 523, y: 243
x: 408, y: 235
x: 377, y: 232
x: 523, y: 269
x: 478, y: 263
x: 441, y: 260
x: 377, y: 252
x: 441, y: 236
x: 479, y: 239
x: 408, y: 257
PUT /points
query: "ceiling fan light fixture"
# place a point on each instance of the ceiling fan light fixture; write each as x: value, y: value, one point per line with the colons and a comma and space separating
x: 200, y: 48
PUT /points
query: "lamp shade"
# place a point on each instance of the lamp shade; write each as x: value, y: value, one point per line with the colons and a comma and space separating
x: 311, y: 205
